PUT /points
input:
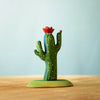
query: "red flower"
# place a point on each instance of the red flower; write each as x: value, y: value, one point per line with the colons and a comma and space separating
x: 48, y: 29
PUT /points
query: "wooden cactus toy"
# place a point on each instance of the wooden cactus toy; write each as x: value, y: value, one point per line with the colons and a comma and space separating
x: 50, y: 58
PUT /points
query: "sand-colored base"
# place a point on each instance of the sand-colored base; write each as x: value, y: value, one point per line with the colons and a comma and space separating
x: 43, y: 83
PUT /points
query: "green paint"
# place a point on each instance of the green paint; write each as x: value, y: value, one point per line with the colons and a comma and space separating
x: 50, y: 55
x: 43, y: 83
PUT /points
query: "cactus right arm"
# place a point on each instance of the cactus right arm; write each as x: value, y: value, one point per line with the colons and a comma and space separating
x: 58, y: 45
x: 40, y: 51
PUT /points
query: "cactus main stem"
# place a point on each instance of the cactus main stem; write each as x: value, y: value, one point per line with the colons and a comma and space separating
x: 51, y: 70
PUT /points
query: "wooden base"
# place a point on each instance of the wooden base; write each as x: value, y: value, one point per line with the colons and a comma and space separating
x: 43, y: 83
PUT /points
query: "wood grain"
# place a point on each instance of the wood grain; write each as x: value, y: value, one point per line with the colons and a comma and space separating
x: 85, y: 88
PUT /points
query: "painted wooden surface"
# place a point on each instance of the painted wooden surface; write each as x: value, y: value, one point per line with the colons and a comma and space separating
x: 85, y: 88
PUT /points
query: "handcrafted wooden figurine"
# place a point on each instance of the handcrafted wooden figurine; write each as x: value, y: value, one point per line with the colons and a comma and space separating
x: 50, y: 58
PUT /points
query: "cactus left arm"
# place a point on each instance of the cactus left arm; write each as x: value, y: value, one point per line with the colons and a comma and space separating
x: 40, y: 51
x: 58, y: 45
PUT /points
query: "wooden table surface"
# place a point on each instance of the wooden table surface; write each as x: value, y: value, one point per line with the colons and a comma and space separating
x: 85, y: 88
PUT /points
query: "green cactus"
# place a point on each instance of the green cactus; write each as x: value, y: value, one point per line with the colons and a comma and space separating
x: 50, y: 58
x: 50, y: 54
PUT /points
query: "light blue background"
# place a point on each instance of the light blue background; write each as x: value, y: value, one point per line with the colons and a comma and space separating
x: 21, y: 23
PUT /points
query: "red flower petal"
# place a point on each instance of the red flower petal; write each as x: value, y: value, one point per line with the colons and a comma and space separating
x: 50, y: 27
x: 47, y: 27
